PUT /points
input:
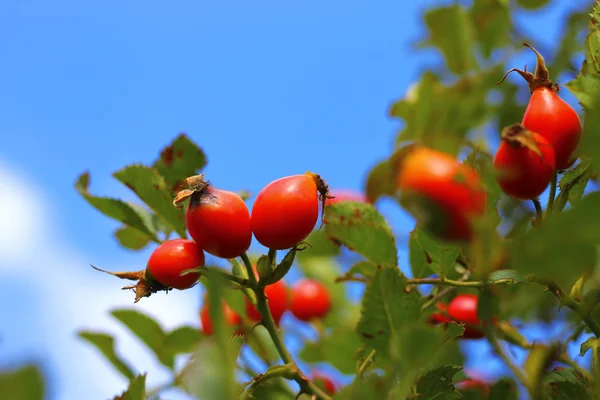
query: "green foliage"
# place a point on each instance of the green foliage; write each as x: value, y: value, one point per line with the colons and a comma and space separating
x: 387, y: 306
x: 362, y: 229
x: 337, y: 348
x: 504, y: 389
x: 25, y: 383
x: 437, y: 384
x: 136, y: 389
x: 106, y: 344
x: 428, y: 256
x: 564, y: 384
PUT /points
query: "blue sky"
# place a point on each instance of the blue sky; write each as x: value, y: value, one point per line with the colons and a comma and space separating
x: 267, y: 88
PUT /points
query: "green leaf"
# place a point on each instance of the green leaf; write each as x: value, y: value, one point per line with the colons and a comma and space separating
x: 380, y: 181
x: 572, y: 184
x: 570, y: 43
x: 283, y: 267
x: 146, y: 329
x: 151, y: 187
x: 428, y: 255
x: 116, y: 209
x: 337, y: 348
x: 264, y: 267
x: 565, y: 384
x: 437, y: 384
x: 532, y: 4
x: 487, y: 306
x: 362, y: 229
x: 504, y: 389
x: 387, y: 306
x: 179, y: 160
x: 106, y: 344
x: 136, y: 389
x: 481, y: 161
x: 25, y: 383
x: 210, y: 374
x: 508, y: 274
x: 131, y: 238
x: 319, y: 245
x: 451, y: 31
x: 492, y: 24
x: 364, y: 268
x: 261, y: 343
x: 181, y: 340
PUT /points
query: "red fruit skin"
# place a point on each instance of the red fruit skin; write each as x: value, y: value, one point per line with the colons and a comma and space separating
x: 442, y: 317
x: 285, y: 211
x: 474, y: 385
x: 326, y: 383
x: 453, y: 192
x: 219, y: 221
x: 524, y: 174
x: 170, y: 259
x: 463, y: 308
x: 231, y: 318
x: 310, y: 300
x: 345, y: 195
x: 554, y: 119
x: 279, y: 302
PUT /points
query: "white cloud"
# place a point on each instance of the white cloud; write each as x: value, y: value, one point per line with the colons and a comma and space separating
x: 73, y: 297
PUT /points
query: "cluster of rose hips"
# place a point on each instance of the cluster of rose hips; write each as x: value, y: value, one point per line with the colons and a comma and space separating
x: 445, y: 195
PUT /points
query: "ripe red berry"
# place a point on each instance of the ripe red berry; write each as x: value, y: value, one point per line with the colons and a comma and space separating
x: 345, y: 195
x: 549, y: 115
x: 170, y: 259
x: 441, y: 193
x: 286, y: 210
x: 231, y: 318
x: 525, y: 163
x: 218, y: 220
x: 324, y: 382
x: 310, y: 299
x: 463, y: 308
x: 279, y: 300
x: 442, y: 317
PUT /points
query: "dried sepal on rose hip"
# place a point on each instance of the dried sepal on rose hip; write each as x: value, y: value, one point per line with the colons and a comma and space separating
x: 525, y: 163
x: 548, y: 114
x: 164, y: 269
x: 286, y: 210
x: 217, y: 220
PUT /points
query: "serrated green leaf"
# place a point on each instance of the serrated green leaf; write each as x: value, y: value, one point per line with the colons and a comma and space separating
x: 451, y: 31
x: 492, y: 24
x: 210, y: 374
x: 362, y: 229
x: 481, y: 161
x: 319, y: 245
x: 437, y: 384
x: 283, y: 267
x: 146, y: 329
x: 380, y: 181
x: 565, y: 384
x: 181, y: 340
x: 572, y: 184
x: 362, y: 389
x: 504, y: 389
x: 387, y: 306
x: 106, y: 344
x: 179, y: 160
x: 532, y: 4
x: 25, y: 383
x: 151, y: 187
x: 337, y: 348
x: 136, y: 389
x: 430, y: 255
x: 131, y: 238
x: 364, y: 268
x: 116, y: 209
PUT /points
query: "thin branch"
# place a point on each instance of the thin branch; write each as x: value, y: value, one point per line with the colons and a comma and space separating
x: 552, y: 194
x: 539, y: 212
x: 517, y: 372
x: 288, y: 371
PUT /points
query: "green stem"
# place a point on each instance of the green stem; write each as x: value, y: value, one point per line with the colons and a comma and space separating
x: 518, y: 373
x: 288, y: 371
x: 451, y: 282
x: 552, y: 194
x: 539, y: 213
x: 267, y: 320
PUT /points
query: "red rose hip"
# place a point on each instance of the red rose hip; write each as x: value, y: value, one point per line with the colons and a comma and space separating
x: 170, y: 259
x: 310, y: 300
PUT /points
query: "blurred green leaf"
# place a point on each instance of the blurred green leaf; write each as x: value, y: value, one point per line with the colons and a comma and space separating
x: 429, y: 255
x: 151, y: 187
x: 504, y: 389
x: 565, y: 384
x: 25, y: 383
x: 362, y: 229
x: 380, y: 181
x: 570, y: 43
x: 505, y: 274
x: 492, y: 24
x: 337, y: 348
x: 532, y: 4
x: 146, y: 329
x: 181, y: 340
x: 451, y: 31
x: 387, y: 306
x: 106, y: 344
x: 437, y: 384
x: 179, y: 160
x: 261, y: 343
x: 364, y: 268
x: 131, y: 238
x: 481, y: 161
x: 136, y: 389
x: 365, y: 388
x: 319, y: 245
x: 134, y: 217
